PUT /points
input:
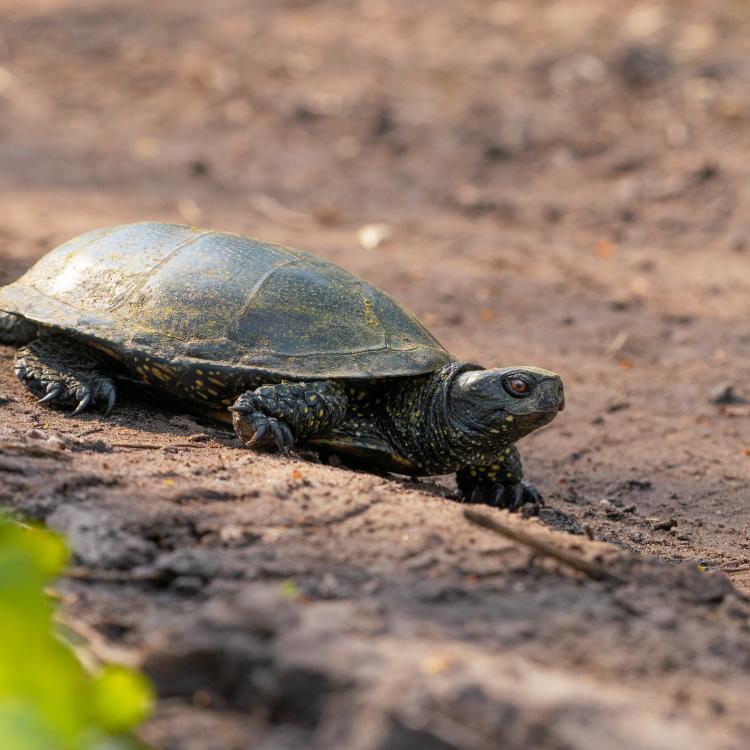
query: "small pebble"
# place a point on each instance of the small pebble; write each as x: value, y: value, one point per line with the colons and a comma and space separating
x: 724, y: 394
x: 663, y: 525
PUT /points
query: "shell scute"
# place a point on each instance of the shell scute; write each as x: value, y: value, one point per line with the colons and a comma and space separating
x: 193, y: 298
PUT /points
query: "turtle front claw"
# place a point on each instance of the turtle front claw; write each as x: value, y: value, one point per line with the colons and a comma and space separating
x: 53, y: 392
x: 521, y: 495
x: 261, y: 432
x: 517, y: 496
x: 273, y: 417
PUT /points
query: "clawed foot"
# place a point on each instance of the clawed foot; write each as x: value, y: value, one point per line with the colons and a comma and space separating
x: 521, y: 495
x: 257, y: 430
x: 84, y: 389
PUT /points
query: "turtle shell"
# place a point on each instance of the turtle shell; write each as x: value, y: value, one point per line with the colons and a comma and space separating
x: 189, y: 296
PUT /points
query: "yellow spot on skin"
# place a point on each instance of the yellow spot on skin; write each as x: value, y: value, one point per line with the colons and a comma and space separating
x: 212, y: 391
x: 495, y: 467
x: 472, y: 472
x: 312, y: 397
x: 321, y: 412
x: 199, y: 382
x: 215, y: 381
x: 305, y: 410
x: 509, y: 475
x: 199, y: 372
x: 509, y: 418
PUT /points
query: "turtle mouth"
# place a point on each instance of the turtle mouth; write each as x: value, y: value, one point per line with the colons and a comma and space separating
x: 551, y: 397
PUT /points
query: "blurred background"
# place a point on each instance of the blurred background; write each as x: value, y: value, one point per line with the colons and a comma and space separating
x: 471, y: 157
x: 472, y: 130
x: 559, y: 183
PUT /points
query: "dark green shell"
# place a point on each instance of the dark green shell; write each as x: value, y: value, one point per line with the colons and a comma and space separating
x: 190, y: 297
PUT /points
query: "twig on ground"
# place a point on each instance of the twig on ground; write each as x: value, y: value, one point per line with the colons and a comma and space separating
x: 738, y: 569
x: 593, y: 570
x: 92, y: 648
x: 153, y: 446
x: 99, y: 576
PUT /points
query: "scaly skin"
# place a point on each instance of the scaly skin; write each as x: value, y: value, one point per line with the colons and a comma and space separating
x: 411, y: 426
x: 275, y: 416
x: 458, y: 419
x: 63, y: 372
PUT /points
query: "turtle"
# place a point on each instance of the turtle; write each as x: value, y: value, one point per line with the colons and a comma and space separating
x: 292, y: 349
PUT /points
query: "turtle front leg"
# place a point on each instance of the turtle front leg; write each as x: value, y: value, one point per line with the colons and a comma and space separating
x: 62, y: 371
x: 274, y: 417
x: 500, y: 484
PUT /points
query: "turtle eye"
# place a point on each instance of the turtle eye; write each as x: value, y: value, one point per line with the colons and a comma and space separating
x: 517, y: 386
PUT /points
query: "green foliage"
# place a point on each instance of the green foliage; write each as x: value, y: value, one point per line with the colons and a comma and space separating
x: 48, y: 701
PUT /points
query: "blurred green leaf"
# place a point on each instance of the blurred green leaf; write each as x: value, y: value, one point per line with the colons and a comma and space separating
x: 47, y: 699
x: 122, y: 698
x: 289, y: 589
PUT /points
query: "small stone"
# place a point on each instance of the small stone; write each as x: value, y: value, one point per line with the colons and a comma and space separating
x: 199, y: 168
x: 199, y: 437
x: 663, y: 525
x: 615, y: 406
x: 724, y: 395
x: 372, y: 236
x: 187, y: 585
x: 643, y: 66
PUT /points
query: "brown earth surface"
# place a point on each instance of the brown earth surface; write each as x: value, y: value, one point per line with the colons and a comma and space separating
x: 565, y: 184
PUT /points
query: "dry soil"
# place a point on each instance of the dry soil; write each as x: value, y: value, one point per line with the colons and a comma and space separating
x: 559, y: 183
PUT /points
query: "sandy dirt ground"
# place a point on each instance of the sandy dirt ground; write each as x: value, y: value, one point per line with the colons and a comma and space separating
x: 555, y: 183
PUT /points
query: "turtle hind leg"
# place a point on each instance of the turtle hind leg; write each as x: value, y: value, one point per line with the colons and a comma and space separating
x: 274, y: 417
x: 16, y: 330
x: 61, y: 371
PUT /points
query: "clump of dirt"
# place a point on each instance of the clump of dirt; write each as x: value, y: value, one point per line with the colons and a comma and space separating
x: 559, y: 183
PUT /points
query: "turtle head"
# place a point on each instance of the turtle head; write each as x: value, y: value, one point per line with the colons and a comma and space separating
x: 506, y: 403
